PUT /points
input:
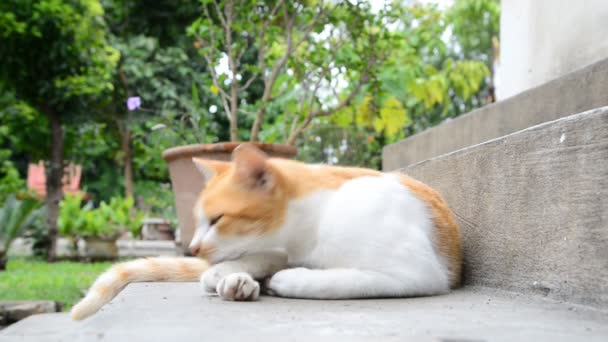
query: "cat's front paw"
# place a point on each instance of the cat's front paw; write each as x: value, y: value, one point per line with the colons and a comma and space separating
x: 239, y: 287
x: 212, y: 277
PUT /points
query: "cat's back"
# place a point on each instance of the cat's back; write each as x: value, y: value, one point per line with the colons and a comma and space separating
x: 368, y: 193
x: 390, y: 196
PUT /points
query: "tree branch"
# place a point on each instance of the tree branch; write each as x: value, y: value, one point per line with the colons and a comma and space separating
x: 219, y: 14
x: 320, y: 113
x: 248, y: 83
x: 269, y: 81
x: 362, y: 80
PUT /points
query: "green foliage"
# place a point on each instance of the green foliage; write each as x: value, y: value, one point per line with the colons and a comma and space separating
x: 15, y: 216
x: 54, y: 54
x: 64, y: 282
x: 165, y: 20
x: 304, y: 51
x: 120, y: 214
x: 70, y: 218
x: 106, y: 221
x: 475, y: 27
x: 38, y: 231
x: 158, y: 200
x: 10, y: 181
x: 424, y: 80
x: 169, y: 85
x: 350, y: 146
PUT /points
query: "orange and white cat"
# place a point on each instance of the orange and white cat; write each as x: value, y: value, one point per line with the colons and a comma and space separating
x: 311, y: 231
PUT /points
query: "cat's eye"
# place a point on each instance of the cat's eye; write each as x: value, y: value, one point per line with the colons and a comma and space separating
x: 215, y: 219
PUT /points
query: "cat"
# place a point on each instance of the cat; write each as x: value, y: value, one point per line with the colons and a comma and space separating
x: 312, y: 231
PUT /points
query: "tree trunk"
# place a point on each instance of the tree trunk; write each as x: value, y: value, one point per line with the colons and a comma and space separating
x: 3, y: 260
x: 125, y: 135
x: 54, y: 188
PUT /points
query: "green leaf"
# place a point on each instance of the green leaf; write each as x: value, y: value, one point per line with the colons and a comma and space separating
x: 196, y: 101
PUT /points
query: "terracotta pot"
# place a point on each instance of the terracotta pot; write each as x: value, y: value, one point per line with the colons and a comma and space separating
x: 188, y: 182
x: 100, y: 249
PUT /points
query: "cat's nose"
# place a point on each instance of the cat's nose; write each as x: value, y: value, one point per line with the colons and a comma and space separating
x: 194, y: 250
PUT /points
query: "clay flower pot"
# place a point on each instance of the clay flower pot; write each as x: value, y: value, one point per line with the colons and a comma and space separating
x: 97, y: 248
x: 188, y: 182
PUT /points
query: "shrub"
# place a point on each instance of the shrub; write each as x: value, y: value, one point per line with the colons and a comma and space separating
x: 107, y: 221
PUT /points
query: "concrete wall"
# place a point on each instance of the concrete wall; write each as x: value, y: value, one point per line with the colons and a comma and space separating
x: 532, y: 208
x: 544, y: 39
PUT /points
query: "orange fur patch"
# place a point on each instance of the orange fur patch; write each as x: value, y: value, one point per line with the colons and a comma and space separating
x: 447, y: 233
x: 122, y: 273
x: 103, y: 290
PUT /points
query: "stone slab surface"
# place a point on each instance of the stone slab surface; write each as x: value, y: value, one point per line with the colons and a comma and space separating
x: 581, y: 90
x: 181, y: 312
x: 533, y: 208
x: 42, y: 327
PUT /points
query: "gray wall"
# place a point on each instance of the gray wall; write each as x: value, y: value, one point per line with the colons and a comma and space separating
x: 532, y: 207
x: 544, y: 39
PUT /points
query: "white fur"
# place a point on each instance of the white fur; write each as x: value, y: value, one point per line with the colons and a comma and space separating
x: 370, y: 238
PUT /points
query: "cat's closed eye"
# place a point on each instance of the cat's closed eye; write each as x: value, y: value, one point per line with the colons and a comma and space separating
x: 215, y: 219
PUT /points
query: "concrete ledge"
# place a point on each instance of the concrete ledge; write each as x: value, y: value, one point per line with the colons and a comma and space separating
x: 144, y: 248
x: 22, y: 247
x: 533, y: 208
x: 576, y: 92
x: 181, y: 312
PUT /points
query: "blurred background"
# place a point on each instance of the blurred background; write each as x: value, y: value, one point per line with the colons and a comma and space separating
x: 93, y: 91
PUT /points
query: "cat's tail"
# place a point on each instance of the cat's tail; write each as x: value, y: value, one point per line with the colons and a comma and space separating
x: 110, y: 283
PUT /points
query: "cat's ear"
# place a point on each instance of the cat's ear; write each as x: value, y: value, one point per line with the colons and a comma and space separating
x: 251, y: 166
x: 210, y: 168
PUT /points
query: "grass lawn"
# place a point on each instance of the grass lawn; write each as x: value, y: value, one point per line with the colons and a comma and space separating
x: 30, y: 279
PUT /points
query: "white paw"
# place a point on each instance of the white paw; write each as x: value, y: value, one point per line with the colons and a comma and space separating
x: 210, y: 279
x: 238, y: 286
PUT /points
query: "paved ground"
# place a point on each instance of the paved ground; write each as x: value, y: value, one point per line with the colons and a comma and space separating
x: 180, y: 312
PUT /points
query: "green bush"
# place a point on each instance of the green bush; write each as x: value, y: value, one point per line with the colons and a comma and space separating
x: 107, y: 221
x: 121, y: 214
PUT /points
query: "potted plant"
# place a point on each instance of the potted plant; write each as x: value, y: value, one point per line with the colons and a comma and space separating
x: 281, y: 77
x: 99, y: 236
x: 98, y: 227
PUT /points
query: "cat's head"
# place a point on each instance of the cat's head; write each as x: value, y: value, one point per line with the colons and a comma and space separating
x: 241, y: 207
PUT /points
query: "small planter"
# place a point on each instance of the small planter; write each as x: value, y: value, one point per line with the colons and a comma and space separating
x: 100, y: 248
x: 188, y: 182
x: 156, y: 229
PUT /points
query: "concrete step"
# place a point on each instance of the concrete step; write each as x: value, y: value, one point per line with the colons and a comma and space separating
x: 533, y: 208
x: 581, y: 90
x: 181, y: 312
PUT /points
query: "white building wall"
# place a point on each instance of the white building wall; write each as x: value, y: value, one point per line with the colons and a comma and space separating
x: 544, y: 39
